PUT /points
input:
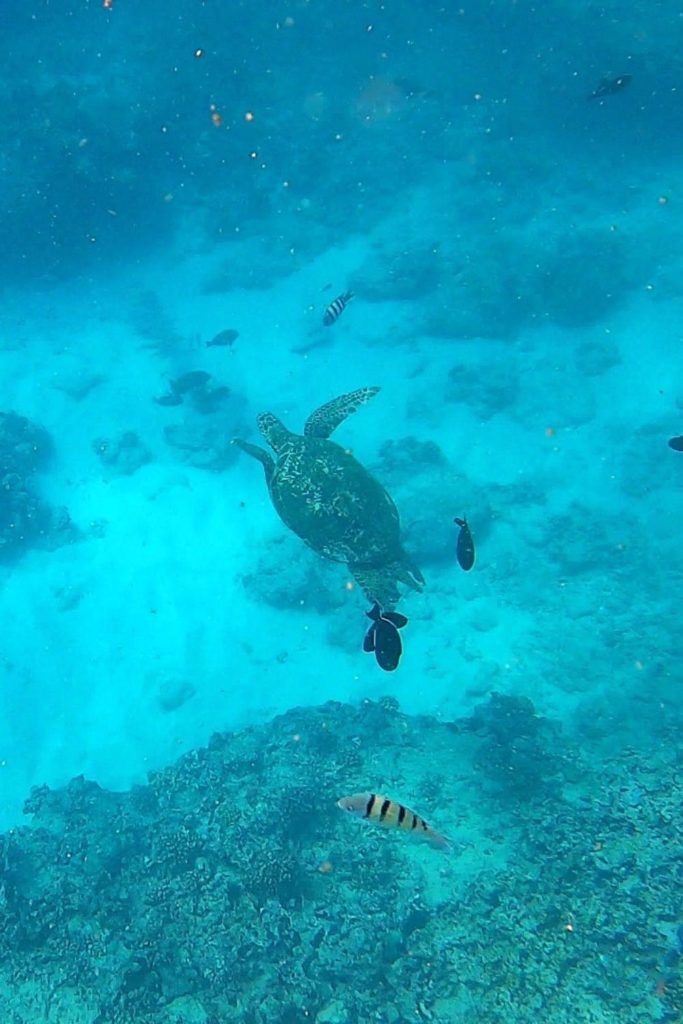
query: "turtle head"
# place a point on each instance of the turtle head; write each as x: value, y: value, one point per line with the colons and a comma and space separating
x: 275, y: 432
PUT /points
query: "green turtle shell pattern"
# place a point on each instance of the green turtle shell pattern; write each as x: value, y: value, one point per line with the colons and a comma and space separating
x: 325, y: 496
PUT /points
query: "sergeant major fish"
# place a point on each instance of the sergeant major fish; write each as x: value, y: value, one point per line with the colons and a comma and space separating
x: 336, y: 308
x: 382, y: 637
x: 382, y: 811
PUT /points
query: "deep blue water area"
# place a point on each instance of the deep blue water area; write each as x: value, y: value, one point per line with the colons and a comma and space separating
x: 423, y: 261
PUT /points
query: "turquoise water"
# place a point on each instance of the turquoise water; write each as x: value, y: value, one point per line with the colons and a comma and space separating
x: 184, y: 692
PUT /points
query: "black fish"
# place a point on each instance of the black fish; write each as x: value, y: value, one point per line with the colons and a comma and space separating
x: 676, y: 443
x: 465, y: 550
x: 609, y: 86
x: 336, y: 308
x: 223, y: 339
x: 383, y: 638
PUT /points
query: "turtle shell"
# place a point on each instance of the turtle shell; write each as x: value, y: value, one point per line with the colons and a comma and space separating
x: 325, y: 496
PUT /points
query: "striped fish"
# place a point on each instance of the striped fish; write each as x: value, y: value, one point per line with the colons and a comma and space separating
x: 382, y: 811
x: 336, y: 308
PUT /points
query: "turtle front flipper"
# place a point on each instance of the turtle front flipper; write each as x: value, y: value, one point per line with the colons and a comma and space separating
x: 327, y: 418
x: 261, y: 454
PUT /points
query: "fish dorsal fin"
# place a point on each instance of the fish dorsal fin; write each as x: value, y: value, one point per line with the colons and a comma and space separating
x: 327, y: 418
x: 275, y: 432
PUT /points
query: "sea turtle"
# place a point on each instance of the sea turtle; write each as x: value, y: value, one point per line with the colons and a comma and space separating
x: 325, y: 496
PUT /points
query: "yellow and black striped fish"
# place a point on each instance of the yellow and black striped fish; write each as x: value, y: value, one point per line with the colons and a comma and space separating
x: 336, y: 308
x: 382, y: 811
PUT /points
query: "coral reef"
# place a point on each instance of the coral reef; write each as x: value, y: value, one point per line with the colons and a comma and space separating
x: 287, y: 574
x: 124, y: 454
x: 230, y: 888
x: 518, y: 754
x: 26, y: 520
x: 202, y: 446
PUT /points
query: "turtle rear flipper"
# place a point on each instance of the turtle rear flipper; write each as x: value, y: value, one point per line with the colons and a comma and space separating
x: 407, y: 572
x: 327, y: 418
x: 378, y: 585
x: 261, y: 454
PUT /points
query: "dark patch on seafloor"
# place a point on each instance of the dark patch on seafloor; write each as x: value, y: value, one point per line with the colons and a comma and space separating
x: 231, y: 889
x: 26, y: 519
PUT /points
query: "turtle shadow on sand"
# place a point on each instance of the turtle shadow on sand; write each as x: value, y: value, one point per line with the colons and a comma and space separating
x: 325, y: 496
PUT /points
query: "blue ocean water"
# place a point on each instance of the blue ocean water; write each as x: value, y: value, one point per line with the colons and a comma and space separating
x: 187, y: 186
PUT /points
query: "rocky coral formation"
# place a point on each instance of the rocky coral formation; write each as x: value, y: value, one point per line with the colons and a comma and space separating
x: 201, y: 446
x: 230, y: 888
x: 287, y: 574
x: 26, y: 520
x: 124, y: 454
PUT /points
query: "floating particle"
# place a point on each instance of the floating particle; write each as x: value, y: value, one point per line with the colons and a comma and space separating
x: 216, y: 119
x: 198, y: 54
x: 249, y: 116
x: 663, y: 200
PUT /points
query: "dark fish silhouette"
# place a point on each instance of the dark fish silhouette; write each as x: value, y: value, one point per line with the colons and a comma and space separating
x: 223, y: 339
x: 336, y: 308
x: 609, y: 86
x: 676, y: 443
x: 464, y: 551
x: 382, y: 638
x: 193, y: 386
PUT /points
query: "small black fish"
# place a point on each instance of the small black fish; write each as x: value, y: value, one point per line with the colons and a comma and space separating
x: 223, y: 339
x: 382, y: 638
x: 609, y: 86
x: 676, y: 443
x: 465, y: 550
x: 336, y: 308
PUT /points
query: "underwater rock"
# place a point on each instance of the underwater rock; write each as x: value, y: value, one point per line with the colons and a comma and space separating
x: 403, y: 456
x: 124, y: 454
x: 595, y: 357
x: 201, y: 446
x: 24, y: 446
x: 173, y: 693
x: 78, y: 382
x: 495, y: 386
x: 26, y: 520
x: 521, y: 752
x: 410, y: 273
x: 287, y: 575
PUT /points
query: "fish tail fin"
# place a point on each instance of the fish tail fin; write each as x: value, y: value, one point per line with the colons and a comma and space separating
x: 375, y: 612
x: 440, y: 842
